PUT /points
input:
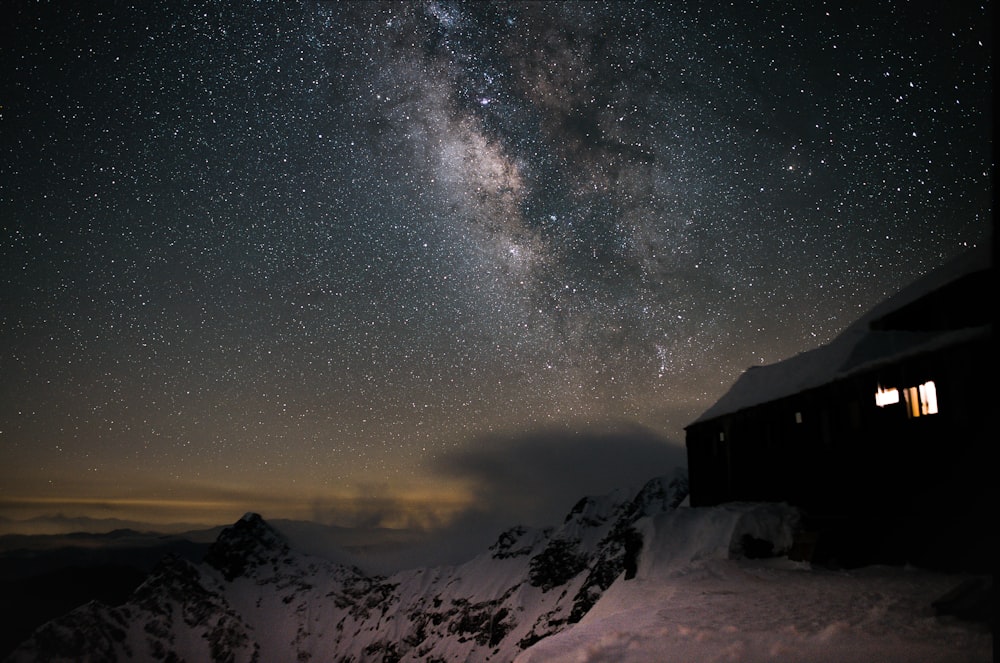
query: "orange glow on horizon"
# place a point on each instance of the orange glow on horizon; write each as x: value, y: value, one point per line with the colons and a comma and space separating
x: 416, y: 509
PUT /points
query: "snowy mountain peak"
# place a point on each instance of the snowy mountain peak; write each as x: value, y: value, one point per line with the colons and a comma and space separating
x: 592, y: 511
x: 518, y: 541
x: 247, y: 544
x: 661, y: 494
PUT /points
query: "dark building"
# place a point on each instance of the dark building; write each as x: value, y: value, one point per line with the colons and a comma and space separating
x: 881, y: 436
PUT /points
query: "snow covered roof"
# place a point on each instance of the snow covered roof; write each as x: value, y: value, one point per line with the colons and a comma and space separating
x: 857, y: 347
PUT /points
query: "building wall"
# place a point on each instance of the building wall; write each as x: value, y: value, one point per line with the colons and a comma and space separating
x: 833, y: 451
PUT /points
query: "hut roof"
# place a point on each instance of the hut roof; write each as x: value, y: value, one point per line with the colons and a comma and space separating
x: 862, y: 345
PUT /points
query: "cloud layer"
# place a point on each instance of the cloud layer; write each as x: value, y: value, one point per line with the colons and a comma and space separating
x: 536, y: 477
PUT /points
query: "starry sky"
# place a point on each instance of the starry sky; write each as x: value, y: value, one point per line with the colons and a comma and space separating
x: 383, y: 263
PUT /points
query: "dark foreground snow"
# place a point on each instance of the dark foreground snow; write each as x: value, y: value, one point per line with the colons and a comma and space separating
x: 702, y: 606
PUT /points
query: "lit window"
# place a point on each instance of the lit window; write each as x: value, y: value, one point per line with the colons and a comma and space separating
x: 885, y: 397
x: 912, y: 402
x: 798, y: 417
x: 921, y: 400
x: 928, y: 398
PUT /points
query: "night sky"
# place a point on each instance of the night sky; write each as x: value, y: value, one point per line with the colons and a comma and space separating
x: 380, y: 263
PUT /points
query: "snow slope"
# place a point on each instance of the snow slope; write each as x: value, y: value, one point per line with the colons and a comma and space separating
x: 692, y: 602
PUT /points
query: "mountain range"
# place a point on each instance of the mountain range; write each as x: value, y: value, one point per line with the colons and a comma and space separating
x: 628, y: 576
x: 254, y: 598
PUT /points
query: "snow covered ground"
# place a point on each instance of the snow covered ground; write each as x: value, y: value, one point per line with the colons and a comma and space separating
x: 689, y: 602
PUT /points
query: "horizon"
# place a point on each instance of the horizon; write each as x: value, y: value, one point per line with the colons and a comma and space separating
x: 605, y: 473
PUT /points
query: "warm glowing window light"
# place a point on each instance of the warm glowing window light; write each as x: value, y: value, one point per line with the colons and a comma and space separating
x: 921, y: 400
x: 885, y: 397
x: 912, y: 402
x: 928, y: 398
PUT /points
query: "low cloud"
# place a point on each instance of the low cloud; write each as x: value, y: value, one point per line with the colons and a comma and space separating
x: 536, y: 477
x: 374, y: 506
x: 530, y: 478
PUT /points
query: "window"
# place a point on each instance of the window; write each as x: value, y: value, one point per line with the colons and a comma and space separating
x: 885, y: 397
x: 920, y: 400
x: 798, y: 417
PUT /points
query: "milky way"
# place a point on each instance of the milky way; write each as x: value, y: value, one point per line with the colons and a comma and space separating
x: 294, y: 253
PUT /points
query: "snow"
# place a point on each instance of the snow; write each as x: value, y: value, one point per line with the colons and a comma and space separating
x: 725, y: 610
x: 690, y: 601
